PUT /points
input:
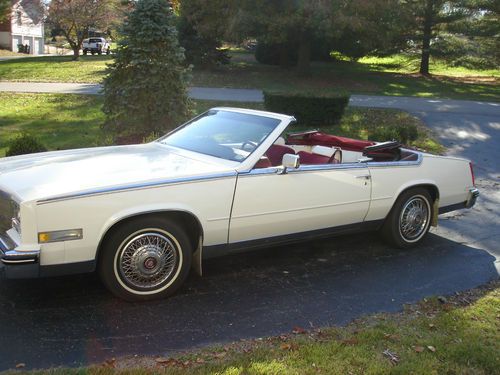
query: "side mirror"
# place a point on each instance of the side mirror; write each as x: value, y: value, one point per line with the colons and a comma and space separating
x: 289, y: 161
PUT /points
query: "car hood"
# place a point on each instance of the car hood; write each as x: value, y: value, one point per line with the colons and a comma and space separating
x: 51, y: 174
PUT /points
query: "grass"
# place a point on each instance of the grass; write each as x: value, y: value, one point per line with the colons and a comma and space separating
x: 6, y: 52
x: 456, y: 335
x: 390, y: 76
x: 393, y: 75
x: 89, y: 69
x: 64, y: 121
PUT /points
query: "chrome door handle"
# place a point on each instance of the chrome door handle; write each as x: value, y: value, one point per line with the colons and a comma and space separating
x: 365, y: 176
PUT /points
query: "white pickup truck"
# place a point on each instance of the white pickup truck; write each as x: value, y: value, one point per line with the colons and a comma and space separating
x: 97, y: 45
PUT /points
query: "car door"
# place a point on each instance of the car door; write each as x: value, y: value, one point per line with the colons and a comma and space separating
x: 312, y: 197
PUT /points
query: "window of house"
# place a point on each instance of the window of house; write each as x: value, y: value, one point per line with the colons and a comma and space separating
x: 19, y: 17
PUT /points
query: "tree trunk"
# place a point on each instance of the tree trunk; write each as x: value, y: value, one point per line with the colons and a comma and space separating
x: 304, y: 62
x: 76, y: 53
x: 426, y: 38
x: 284, y: 61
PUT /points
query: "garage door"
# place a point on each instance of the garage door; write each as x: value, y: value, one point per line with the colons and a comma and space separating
x: 16, y: 40
x: 38, y: 46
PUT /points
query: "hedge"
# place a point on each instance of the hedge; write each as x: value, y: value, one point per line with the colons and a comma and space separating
x: 25, y: 144
x: 308, y: 109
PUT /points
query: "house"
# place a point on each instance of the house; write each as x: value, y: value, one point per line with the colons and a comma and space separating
x: 24, y: 26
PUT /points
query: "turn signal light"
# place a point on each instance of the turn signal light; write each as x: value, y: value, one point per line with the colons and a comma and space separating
x: 60, y: 235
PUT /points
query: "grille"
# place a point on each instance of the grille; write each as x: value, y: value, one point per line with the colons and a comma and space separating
x: 7, y: 209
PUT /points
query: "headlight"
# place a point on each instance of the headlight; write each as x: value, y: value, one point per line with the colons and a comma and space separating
x: 16, y: 219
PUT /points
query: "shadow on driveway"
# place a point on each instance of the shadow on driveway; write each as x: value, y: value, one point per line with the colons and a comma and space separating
x: 73, y: 321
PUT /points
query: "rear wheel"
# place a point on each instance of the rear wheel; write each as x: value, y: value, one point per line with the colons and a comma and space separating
x: 145, y: 259
x: 410, y: 218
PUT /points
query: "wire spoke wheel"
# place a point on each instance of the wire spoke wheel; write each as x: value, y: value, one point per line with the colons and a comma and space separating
x: 147, y: 260
x: 414, y: 218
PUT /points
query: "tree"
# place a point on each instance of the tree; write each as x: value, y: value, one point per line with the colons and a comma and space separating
x: 5, y: 6
x: 75, y: 18
x: 473, y: 41
x: 145, y: 91
x: 302, y: 24
x: 431, y: 17
x: 202, y: 29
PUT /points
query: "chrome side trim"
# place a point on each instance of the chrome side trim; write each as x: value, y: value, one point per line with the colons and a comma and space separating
x: 329, y: 167
x: 20, y: 257
x: 302, y: 168
x: 400, y: 163
x: 137, y: 186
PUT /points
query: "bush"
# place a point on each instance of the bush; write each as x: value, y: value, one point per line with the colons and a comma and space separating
x: 25, y: 144
x: 308, y: 109
x: 145, y: 90
x: 404, y: 133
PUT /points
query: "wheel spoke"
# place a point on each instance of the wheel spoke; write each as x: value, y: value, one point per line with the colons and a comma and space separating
x: 414, y: 218
x: 147, y: 260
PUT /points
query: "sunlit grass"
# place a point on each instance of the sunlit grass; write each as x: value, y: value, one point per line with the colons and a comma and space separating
x: 394, y: 75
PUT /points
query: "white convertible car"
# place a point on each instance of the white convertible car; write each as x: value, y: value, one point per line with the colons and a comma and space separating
x: 228, y: 180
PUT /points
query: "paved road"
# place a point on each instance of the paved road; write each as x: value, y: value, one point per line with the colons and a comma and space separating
x: 73, y: 321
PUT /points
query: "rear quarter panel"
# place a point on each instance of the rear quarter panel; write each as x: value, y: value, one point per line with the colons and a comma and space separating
x: 451, y: 176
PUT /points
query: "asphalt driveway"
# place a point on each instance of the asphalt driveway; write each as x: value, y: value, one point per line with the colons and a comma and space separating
x: 74, y: 321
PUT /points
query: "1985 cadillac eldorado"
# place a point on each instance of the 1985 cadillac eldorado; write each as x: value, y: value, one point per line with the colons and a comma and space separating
x: 228, y: 180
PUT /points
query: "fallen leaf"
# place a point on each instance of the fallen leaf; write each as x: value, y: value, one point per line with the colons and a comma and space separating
x: 110, y: 362
x: 389, y: 336
x: 200, y: 360
x: 21, y: 365
x: 419, y: 349
x: 432, y: 326
x: 298, y: 330
x: 431, y: 348
x: 220, y: 355
x: 351, y: 341
x: 163, y: 360
x: 286, y: 346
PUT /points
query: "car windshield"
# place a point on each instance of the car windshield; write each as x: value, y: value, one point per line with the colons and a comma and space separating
x: 223, y: 134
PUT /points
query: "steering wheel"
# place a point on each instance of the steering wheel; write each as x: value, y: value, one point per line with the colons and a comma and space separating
x: 253, y: 145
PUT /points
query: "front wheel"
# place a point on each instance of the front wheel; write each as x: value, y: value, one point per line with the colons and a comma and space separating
x: 144, y: 259
x: 410, y: 219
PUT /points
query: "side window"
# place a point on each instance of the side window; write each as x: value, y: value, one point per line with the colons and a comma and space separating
x: 19, y: 18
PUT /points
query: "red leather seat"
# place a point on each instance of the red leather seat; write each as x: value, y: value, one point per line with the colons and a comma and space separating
x: 316, y: 138
x: 263, y: 162
x: 275, y: 154
x: 308, y: 158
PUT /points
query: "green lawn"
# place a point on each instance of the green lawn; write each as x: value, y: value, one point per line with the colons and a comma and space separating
x: 379, y: 76
x: 64, y: 121
x: 457, y: 335
x: 89, y: 69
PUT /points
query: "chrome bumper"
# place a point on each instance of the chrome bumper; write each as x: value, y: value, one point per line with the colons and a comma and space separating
x: 472, y: 197
x: 16, y: 264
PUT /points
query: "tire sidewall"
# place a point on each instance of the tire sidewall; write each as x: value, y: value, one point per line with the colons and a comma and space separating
x: 391, y: 228
x: 113, y: 245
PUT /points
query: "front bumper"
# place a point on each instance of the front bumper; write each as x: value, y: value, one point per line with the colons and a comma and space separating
x: 16, y: 264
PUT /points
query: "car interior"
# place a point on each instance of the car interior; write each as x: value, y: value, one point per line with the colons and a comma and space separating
x: 317, y: 148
